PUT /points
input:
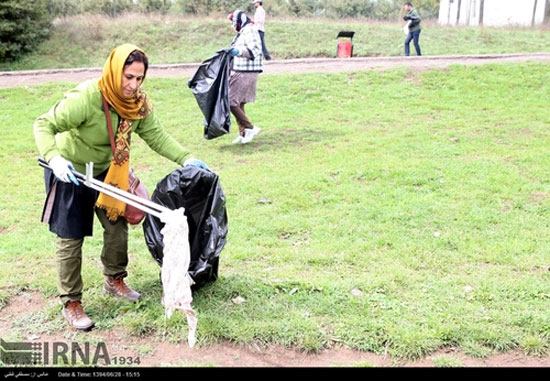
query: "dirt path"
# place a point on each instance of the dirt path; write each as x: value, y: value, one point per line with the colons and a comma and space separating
x: 154, y: 352
x: 307, y: 65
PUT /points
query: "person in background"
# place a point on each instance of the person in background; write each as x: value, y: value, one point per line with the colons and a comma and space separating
x: 73, y: 133
x: 246, y: 48
x: 259, y: 21
x: 414, y: 28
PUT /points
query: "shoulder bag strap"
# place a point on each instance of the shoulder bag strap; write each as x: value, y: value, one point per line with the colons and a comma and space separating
x: 109, y: 125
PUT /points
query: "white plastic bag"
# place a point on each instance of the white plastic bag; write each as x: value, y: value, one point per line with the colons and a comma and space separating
x: 406, y: 27
x: 176, y: 282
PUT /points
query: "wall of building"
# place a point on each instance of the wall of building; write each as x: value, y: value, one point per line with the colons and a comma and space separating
x: 495, y: 12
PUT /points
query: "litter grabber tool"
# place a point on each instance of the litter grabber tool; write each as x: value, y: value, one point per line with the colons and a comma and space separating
x: 143, y: 204
x: 176, y: 281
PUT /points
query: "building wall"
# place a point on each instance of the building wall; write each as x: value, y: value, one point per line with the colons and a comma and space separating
x: 495, y: 12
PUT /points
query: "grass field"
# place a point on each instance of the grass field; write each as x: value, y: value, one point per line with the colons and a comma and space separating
x: 85, y: 41
x: 416, y: 221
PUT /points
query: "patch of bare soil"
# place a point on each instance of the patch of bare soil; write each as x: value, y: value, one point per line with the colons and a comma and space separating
x: 158, y: 352
x: 306, y: 65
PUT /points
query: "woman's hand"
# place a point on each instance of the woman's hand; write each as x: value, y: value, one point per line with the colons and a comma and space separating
x: 62, y: 169
x: 196, y: 163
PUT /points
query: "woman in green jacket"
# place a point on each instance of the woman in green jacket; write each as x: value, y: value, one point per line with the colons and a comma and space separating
x: 74, y: 132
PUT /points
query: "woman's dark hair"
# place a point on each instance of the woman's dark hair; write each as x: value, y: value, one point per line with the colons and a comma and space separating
x: 137, y: 56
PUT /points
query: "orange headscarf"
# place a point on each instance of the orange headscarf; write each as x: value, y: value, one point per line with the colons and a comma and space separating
x: 110, y: 85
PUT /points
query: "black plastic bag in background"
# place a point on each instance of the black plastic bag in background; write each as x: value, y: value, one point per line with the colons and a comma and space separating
x: 210, y: 85
x: 199, y: 192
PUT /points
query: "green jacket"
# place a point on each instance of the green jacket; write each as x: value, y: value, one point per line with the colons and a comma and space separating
x: 415, y: 18
x: 75, y: 128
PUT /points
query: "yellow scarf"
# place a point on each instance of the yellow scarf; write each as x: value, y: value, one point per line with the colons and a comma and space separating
x: 110, y: 85
x: 131, y: 109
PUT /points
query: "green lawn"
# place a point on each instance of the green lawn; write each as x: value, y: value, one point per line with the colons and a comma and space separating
x: 86, y: 41
x: 416, y: 221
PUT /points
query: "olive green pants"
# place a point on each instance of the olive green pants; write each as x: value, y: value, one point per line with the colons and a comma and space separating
x: 114, y: 257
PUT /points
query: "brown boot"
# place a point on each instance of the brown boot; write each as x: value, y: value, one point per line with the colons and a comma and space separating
x: 75, y: 315
x: 115, y: 286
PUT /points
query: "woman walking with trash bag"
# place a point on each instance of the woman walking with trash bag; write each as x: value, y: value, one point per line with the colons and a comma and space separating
x: 73, y: 133
x: 247, y: 65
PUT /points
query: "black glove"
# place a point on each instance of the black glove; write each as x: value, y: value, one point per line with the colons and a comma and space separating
x: 406, y: 18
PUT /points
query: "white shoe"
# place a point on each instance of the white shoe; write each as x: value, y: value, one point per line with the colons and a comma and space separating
x: 256, y: 130
x: 238, y: 140
x: 249, y: 134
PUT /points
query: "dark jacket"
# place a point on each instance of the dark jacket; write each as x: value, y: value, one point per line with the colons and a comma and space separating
x: 415, y: 18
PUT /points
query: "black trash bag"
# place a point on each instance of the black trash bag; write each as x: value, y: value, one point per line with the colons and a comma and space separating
x: 210, y: 85
x: 199, y: 192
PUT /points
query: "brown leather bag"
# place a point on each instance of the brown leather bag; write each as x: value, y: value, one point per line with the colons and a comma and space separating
x: 132, y: 214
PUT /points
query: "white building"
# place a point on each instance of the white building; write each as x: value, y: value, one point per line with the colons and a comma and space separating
x: 494, y: 12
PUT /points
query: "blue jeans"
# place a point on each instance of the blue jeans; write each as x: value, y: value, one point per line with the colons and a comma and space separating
x: 264, y: 48
x: 413, y: 36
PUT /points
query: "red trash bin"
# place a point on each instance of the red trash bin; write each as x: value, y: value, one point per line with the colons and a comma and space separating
x: 344, y: 49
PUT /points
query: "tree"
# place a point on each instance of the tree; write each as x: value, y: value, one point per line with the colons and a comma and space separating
x: 112, y: 8
x: 64, y: 7
x: 534, y: 13
x: 351, y: 8
x: 162, y: 6
x: 294, y: 7
x: 23, y: 25
x: 429, y: 8
x: 458, y: 12
x: 481, y: 11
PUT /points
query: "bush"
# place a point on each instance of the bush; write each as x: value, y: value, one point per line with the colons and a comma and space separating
x: 23, y: 25
x: 161, y: 6
x: 112, y: 8
x: 379, y: 10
